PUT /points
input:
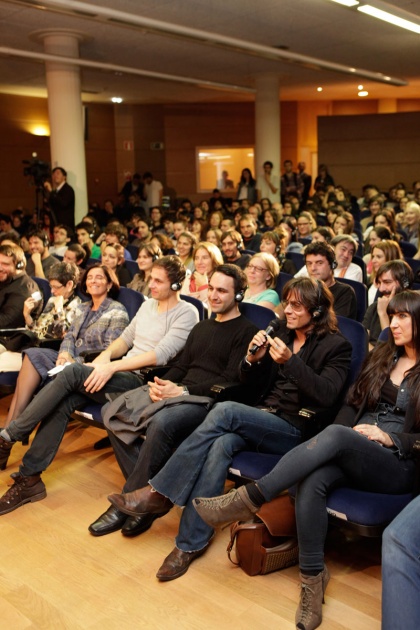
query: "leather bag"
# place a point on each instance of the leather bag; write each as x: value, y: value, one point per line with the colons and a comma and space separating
x: 269, y: 543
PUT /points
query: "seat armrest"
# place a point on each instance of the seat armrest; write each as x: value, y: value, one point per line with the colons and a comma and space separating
x: 148, y: 373
x: 234, y: 392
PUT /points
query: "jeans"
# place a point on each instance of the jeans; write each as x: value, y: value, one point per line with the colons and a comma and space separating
x: 199, y: 466
x: 53, y: 406
x: 401, y: 570
x: 143, y: 459
x: 335, y: 457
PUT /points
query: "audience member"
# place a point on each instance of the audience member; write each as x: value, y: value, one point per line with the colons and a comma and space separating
x: 206, y: 258
x: 148, y: 253
x: 262, y: 272
x: 40, y: 261
x: 15, y: 286
x: 232, y: 245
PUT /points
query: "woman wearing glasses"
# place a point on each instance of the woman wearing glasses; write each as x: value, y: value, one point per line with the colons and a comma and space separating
x: 52, y: 322
x: 262, y: 272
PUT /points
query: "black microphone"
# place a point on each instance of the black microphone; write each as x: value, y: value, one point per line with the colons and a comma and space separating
x: 272, y: 327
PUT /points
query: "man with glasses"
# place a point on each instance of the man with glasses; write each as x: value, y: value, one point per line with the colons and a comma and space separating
x: 301, y: 373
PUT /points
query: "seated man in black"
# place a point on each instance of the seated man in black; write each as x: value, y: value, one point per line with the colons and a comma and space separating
x: 211, y: 355
x: 392, y: 277
x: 320, y: 263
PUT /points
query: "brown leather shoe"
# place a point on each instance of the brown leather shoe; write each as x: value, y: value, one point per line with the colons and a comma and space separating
x: 177, y: 563
x: 24, y: 490
x: 142, y: 501
x: 5, y: 448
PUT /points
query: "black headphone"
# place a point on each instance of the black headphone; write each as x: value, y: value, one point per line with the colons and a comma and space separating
x: 239, y: 296
x: 155, y: 257
x: 334, y: 264
x: 319, y: 308
x: 405, y: 282
x: 20, y: 264
x: 176, y: 286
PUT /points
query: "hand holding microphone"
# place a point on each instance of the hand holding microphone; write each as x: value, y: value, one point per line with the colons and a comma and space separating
x: 260, y: 338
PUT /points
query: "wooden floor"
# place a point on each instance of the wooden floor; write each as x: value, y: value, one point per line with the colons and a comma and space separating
x: 55, y: 575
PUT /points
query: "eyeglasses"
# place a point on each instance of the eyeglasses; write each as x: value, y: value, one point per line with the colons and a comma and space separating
x: 299, y: 224
x: 255, y: 268
x: 54, y: 287
x: 295, y: 306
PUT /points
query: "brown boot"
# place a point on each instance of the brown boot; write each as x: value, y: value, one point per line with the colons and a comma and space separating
x: 309, y: 612
x: 5, y: 448
x: 24, y: 490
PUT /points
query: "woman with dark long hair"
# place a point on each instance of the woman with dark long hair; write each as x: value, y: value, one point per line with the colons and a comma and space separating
x: 370, y: 446
x: 247, y: 187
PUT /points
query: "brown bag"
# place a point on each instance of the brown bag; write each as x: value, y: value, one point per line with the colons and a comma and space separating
x: 269, y: 544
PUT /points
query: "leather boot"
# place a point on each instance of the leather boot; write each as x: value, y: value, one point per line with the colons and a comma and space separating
x: 5, y: 448
x: 309, y: 612
x: 24, y: 490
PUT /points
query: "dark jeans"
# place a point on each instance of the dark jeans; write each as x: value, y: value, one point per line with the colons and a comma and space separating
x: 53, y: 406
x: 198, y: 468
x: 143, y: 459
x: 336, y: 457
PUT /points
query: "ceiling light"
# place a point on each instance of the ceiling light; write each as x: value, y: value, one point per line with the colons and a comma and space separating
x: 319, y: 89
x: 360, y: 87
x: 363, y: 93
x: 390, y: 18
x: 116, y: 99
x: 347, y: 3
x: 40, y: 130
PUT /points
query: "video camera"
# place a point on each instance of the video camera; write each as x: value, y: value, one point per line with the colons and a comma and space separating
x: 38, y: 170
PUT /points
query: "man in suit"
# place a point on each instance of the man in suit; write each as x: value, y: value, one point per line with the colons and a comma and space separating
x: 60, y: 197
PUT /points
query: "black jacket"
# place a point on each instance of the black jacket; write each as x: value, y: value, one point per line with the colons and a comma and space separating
x: 318, y: 376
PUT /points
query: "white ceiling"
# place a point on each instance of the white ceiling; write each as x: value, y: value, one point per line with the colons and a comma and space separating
x: 317, y: 28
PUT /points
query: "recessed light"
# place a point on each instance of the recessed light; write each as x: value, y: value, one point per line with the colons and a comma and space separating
x: 116, y: 99
x: 360, y: 87
x: 319, y: 89
x: 363, y: 93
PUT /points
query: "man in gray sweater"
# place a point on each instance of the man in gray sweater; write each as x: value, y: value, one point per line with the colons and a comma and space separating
x: 155, y: 335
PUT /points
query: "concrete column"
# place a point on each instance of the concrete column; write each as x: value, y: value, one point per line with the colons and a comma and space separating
x: 267, y: 122
x: 66, y: 111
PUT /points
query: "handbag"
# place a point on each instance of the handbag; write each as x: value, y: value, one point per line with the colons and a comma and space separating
x: 269, y: 543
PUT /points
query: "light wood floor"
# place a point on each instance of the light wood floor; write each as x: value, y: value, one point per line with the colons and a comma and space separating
x: 55, y: 575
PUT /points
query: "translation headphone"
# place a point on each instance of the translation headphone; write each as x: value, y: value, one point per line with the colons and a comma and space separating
x: 319, y: 308
x: 334, y: 264
x: 20, y: 264
x: 405, y: 282
x: 155, y: 257
x: 176, y: 286
x: 239, y: 296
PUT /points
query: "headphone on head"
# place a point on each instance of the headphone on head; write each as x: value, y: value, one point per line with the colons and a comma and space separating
x: 155, y: 257
x: 176, y: 286
x: 319, y: 308
x: 405, y: 282
x: 20, y: 264
x: 239, y: 296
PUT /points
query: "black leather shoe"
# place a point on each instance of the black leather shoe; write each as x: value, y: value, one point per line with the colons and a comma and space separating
x: 177, y: 563
x: 110, y: 521
x: 135, y: 525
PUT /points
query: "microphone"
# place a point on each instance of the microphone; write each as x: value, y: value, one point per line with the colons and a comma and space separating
x: 273, y: 326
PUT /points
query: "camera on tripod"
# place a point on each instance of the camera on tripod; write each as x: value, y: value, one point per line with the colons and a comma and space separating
x: 37, y: 169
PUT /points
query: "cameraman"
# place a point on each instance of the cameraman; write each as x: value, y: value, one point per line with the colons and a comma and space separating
x: 60, y: 197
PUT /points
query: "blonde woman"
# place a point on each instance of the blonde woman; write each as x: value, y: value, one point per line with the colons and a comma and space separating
x: 206, y: 257
x: 262, y: 272
x: 185, y: 246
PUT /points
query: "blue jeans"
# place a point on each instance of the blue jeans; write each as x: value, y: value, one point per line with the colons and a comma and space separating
x: 53, y: 406
x: 199, y: 466
x: 335, y: 457
x: 168, y: 429
x: 401, y: 570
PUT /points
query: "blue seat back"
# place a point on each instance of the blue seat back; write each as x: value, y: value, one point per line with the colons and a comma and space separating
x: 132, y: 300
x: 44, y: 287
x: 361, y: 296
x: 202, y: 311
x: 258, y: 315
x: 296, y: 258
